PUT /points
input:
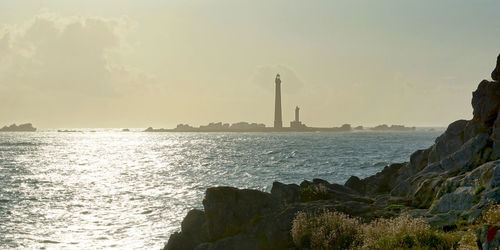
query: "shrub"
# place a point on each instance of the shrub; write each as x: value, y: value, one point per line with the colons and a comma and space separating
x: 328, y: 230
x: 405, y: 232
x: 334, y: 230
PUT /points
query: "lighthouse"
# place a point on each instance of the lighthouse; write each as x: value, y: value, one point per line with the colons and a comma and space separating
x: 278, y: 123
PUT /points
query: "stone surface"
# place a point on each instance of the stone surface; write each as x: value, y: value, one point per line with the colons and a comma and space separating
x: 449, y: 142
x: 285, y: 194
x: 485, y: 102
x: 384, y: 181
x: 194, y: 231
x: 356, y: 184
x: 229, y: 210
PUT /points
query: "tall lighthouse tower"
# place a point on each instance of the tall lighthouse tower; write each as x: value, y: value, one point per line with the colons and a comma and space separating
x: 278, y: 123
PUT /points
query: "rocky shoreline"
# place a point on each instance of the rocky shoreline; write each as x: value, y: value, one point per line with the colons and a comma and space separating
x: 449, y: 183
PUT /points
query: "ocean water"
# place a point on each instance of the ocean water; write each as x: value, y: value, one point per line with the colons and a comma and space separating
x: 130, y: 190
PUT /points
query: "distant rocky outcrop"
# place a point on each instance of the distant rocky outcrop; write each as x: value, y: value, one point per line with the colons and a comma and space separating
x: 384, y: 127
x: 27, y: 127
x: 151, y: 129
x: 450, y: 182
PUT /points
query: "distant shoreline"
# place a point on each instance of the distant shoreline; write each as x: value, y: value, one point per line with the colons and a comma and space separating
x: 218, y: 127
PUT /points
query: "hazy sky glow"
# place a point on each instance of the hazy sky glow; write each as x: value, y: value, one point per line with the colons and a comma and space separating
x: 159, y: 63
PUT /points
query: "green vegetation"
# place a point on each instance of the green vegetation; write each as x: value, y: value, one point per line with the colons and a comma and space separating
x: 479, y: 190
x: 405, y: 232
x: 477, y: 194
x: 328, y: 230
x: 334, y: 230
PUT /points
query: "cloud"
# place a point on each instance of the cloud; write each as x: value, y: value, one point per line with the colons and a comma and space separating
x: 263, y: 76
x: 71, y: 55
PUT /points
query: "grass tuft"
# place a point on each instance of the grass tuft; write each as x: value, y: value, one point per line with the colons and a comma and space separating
x: 328, y: 230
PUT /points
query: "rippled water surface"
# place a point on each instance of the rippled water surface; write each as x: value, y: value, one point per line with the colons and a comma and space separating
x: 111, y: 189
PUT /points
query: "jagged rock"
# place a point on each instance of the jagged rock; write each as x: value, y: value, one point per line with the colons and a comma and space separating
x: 473, y: 128
x: 229, y: 210
x: 193, y: 232
x: 322, y: 190
x: 384, y: 181
x: 495, y: 75
x: 425, y: 192
x: 464, y: 196
x: 486, y: 101
x: 461, y: 199
x: 418, y: 161
x: 422, y: 187
x: 447, y: 143
x: 469, y: 153
x: 285, y: 194
x: 356, y: 184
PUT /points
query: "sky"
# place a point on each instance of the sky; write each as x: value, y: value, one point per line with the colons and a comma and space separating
x: 102, y: 63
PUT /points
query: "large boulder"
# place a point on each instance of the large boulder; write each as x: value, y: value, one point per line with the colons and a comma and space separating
x: 384, y: 181
x: 285, y: 193
x: 194, y: 231
x: 486, y: 101
x: 230, y: 210
x: 449, y: 142
x: 356, y: 184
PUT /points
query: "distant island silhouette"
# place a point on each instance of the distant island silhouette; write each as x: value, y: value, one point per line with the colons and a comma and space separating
x: 27, y: 127
x: 384, y: 127
x: 258, y: 127
x: 247, y: 127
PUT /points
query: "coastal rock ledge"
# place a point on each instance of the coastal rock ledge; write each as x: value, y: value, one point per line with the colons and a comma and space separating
x: 452, y: 181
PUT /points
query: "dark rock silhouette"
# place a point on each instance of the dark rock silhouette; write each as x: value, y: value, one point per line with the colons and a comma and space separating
x: 453, y: 180
x: 495, y: 75
x: 27, y: 127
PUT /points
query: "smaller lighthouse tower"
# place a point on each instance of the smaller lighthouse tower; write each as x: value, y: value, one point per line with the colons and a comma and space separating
x: 297, y: 109
x: 297, y: 124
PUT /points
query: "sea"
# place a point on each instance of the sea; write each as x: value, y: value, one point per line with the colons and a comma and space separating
x: 107, y: 189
